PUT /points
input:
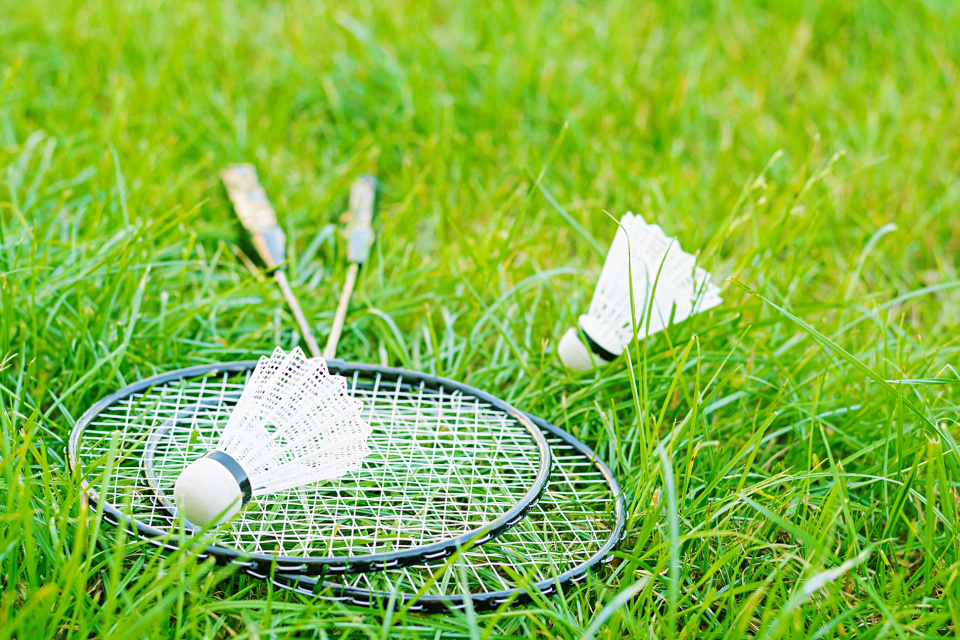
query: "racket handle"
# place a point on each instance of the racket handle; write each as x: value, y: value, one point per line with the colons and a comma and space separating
x: 252, y: 206
x: 271, y: 244
x: 257, y: 215
x: 363, y: 202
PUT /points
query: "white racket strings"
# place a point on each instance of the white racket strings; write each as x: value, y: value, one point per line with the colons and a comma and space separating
x: 442, y: 464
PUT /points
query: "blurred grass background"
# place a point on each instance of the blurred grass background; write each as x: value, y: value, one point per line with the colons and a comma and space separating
x: 809, y: 150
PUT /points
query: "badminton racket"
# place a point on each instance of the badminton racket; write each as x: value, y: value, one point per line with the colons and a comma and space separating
x: 450, y: 466
x: 572, y: 531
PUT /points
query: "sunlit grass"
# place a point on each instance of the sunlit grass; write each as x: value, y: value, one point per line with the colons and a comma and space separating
x: 790, y: 458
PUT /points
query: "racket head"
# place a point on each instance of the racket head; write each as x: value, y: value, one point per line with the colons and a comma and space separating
x: 389, y: 514
x: 548, y: 550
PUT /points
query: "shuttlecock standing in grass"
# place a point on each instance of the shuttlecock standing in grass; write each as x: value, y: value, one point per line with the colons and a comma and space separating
x: 295, y: 424
x: 679, y: 291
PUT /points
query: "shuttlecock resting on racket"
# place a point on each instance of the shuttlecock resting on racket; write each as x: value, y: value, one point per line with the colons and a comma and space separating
x: 295, y: 424
x: 681, y: 290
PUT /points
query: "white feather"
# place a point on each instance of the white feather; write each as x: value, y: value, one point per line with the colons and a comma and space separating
x: 295, y: 424
x: 667, y: 285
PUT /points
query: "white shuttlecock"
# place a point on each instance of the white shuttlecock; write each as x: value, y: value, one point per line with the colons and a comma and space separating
x: 295, y: 424
x: 681, y: 290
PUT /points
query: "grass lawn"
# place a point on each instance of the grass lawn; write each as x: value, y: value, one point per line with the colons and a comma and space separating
x: 790, y: 459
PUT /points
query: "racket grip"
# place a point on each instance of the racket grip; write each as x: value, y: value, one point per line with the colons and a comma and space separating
x: 363, y: 200
x: 271, y: 244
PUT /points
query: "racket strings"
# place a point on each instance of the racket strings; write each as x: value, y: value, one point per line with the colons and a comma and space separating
x: 442, y: 464
x: 572, y: 522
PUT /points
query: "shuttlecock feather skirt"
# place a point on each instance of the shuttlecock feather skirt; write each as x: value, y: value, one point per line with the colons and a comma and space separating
x: 295, y: 424
x: 646, y: 284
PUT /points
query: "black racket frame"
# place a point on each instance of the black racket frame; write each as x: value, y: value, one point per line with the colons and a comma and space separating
x: 260, y: 565
x: 427, y: 603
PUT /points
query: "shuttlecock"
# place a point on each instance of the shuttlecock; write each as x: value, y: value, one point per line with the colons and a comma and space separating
x: 295, y: 424
x: 679, y: 291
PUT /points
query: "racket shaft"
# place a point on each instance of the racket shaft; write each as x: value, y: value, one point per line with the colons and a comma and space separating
x: 281, y: 277
x: 341, y: 316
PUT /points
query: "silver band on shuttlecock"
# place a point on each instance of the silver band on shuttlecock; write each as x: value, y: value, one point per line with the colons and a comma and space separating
x: 231, y: 465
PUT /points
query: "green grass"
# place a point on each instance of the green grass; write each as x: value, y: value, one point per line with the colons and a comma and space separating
x: 789, y: 459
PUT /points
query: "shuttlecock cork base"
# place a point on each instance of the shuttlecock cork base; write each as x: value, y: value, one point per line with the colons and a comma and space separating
x: 212, y: 489
x: 577, y: 356
x: 294, y: 425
